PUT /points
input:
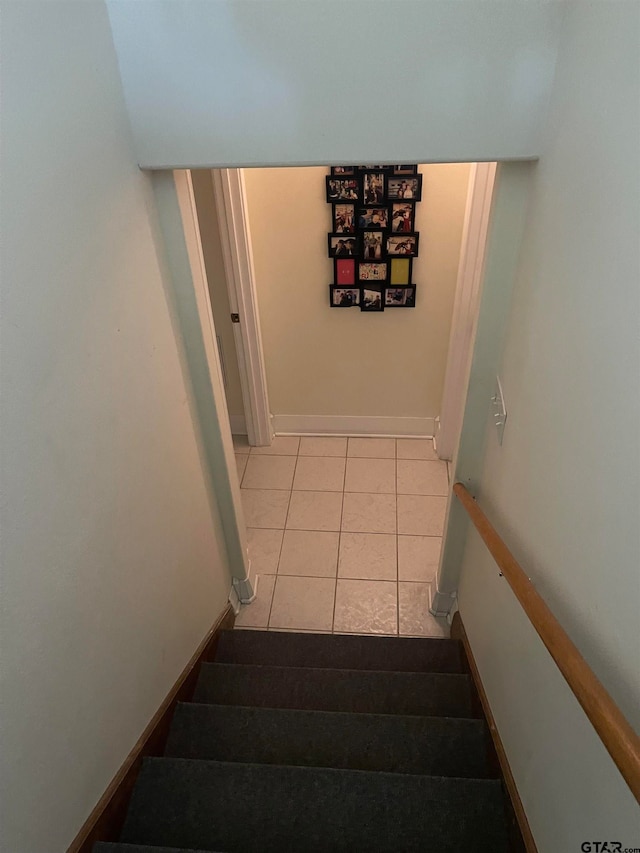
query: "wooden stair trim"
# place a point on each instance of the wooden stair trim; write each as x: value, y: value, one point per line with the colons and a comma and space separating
x: 107, y: 817
x: 458, y: 632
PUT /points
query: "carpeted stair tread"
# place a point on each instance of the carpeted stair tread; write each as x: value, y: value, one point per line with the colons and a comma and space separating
x: 358, y: 691
x: 436, y: 746
x: 117, y: 847
x: 260, y: 808
x: 400, y: 654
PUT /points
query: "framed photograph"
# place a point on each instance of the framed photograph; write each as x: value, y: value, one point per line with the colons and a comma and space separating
x: 372, y: 298
x: 400, y: 271
x: 343, y: 246
x: 373, y: 187
x: 409, y: 187
x: 405, y: 170
x: 403, y: 216
x: 343, y: 297
x: 344, y: 218
x: 403, y: 244
x: 400, y: 297
x: 343, y: 170
x: 375, y: 168
x: 373, y: 271
x: 344, y: 272
x: 373, y: 217
x: 372, y: 245
x: 342, y: 189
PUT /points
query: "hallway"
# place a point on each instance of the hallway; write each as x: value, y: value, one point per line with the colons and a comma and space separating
x: 344, y: 534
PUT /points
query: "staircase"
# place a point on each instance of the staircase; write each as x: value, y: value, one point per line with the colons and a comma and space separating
x: 309, y: 742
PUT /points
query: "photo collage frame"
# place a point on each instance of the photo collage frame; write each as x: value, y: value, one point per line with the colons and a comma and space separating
x: 373, y: 240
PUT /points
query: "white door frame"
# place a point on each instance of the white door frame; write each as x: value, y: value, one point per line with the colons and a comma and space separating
x: 235, y: 237
x: 219, y: 439
x: 466, y: 306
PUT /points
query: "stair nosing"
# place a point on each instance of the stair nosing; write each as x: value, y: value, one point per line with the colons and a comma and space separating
x: 464, y: 675
x: 477, y: 721
x: 154, y: 759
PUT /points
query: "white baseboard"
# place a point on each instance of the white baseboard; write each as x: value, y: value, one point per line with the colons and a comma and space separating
x: 441, y: 602
x: 354, y: 425
x: 238, y: 425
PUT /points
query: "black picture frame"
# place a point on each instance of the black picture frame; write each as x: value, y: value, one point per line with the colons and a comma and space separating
x: 373, y: 244
x: 395, y: 209
x: 376, y: 272
x: 413, y: 185
x: 342, y: 211
x: 372, y: 217
x: 395, y: 240
x: 373, y: 190
x: 405, y: 170
x: 336, y: 187
x: 407, y: 299
x: 335, y: 250
x: 366, y: 304
x: 337, y: 293
x: 343, y: 171
x: 375, y: 168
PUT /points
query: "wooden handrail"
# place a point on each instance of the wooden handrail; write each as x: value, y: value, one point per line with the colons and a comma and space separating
x: 620, y: 740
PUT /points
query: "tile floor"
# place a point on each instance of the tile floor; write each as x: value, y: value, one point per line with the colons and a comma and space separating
x: 344, y: 534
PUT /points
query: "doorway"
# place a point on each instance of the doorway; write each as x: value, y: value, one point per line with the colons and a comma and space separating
x: 356, y: 446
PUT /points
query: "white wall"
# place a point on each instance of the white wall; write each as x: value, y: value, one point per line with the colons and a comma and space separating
x: 248, y: 82
x: 564, y: 487
x: 321, y: 361
x: 112, y: 568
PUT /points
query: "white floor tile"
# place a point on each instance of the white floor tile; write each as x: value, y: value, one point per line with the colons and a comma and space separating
x: 241, y: 463
x: 366, y: 607
x: 269, y: 472
x: 320, y: 474
x: 256, y: 614
x: 414, y: 617
x: 264, y: 507
x: 417, y: 477
x: 315, y: 511
x: 303, y: 603
x: 282, y: 445
x: 372, y: 448
x: 418, y: 557
x: 309, y: 552
x: 416, y: 448
x: 371, y: 475
x: 366, y: 513
x: 264, y: 549
x: 421, y: 515
x: 241, y: 444
x: 368, y: 556
x: 312, y: 445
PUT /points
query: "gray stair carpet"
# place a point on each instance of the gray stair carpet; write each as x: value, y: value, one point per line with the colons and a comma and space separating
x: 116, y: 847
x: 399, y: 654
x: 438, y: 746
x: 363, y: 692
x: 310, y: 743
x: 217, y: 806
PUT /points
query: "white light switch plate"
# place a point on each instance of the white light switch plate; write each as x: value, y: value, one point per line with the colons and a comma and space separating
x: 499, y: 410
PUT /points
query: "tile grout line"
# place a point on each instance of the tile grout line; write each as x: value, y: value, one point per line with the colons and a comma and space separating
x: 335, y: 588
x: 284, y: 530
